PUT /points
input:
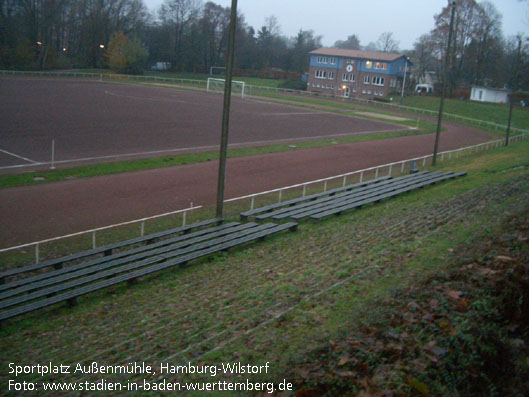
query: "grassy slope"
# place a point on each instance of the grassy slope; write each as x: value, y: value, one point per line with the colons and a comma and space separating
x: 298, y: 298
x: 496, y: 113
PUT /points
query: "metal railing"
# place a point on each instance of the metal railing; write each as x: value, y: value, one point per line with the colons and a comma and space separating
x: 381, y: 170
x: 363, y: 174
x: 373, y: 172
x: 257, y: 90
x: 36, y: 245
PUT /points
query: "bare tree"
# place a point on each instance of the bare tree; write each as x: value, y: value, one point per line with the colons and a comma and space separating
x: 386, y: 43
x: 272, y: 25
x: 177, y: 14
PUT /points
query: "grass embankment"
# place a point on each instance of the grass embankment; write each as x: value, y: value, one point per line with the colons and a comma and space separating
x: 492, y: 112
x: 419, y: 294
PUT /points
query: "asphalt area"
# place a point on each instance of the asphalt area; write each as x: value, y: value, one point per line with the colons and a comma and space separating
x: 92, y: 121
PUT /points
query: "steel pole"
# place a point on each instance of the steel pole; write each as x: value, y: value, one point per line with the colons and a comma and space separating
x: 226, y: 112
x: 403, y: 83
x: 514, y: 85
x: 443, y: 88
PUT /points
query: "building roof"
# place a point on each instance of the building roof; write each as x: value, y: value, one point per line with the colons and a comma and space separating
x: 491, y: 88
x: 340, y: 52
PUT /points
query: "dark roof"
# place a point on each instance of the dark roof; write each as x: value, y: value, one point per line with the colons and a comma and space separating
x: 375, y: 55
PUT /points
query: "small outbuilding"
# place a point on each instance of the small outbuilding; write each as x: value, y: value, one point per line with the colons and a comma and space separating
x: 488, y: 94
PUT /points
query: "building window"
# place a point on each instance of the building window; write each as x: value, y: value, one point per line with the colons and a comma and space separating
x: 378, y: 80
x: 332, y: 60
x: 369, y: 64
x: 376, y: 93
x: 381, y: 65
x: 392, y: 83
x: 367, y: 79
x: 331, y: 75
x: 349, y: 60
x: 363, y: 91
x: 368, y: 92
x: 322, y: 60
x: 354, y: 89
x: 381, y: 93
x: 320, y: 74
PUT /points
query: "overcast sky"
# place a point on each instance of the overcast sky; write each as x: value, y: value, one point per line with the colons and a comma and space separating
x: 337, y: 19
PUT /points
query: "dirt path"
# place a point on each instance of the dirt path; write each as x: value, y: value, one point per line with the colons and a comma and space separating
x: 37, y: 212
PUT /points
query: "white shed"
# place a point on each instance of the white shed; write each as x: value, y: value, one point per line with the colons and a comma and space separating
x: 488, y: 94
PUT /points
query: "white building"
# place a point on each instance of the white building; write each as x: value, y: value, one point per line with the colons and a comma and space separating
x: 488, y: 94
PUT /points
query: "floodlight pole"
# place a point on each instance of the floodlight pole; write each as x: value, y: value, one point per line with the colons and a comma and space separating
x: 514, y: 85
x: 226, y: 112
x: 404, y: 82
x: 443, y: 87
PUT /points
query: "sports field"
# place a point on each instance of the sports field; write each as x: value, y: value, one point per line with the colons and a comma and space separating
x: 95, y: 121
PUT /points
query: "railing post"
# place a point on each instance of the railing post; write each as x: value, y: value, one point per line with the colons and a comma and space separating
x: 252, y: 203
x: 142, y: 229
x: 37, y: 259
x: 361, y: 176
x: 184, y: 218
x: 424, y: 161
x: 325, y: 186
x: 94, y: 239
x: 376, y: 173
x: 402, y: 167
x: 390, y: 169
x: 344, y: 180
x: 280, y: 195
x: 304, y: 190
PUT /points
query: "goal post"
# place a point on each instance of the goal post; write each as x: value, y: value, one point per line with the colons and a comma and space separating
x: 217, y: 85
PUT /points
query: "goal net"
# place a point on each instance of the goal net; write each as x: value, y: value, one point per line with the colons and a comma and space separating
x: 217, y: 85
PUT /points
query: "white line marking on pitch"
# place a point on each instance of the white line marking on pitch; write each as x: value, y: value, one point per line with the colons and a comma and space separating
x: 150, y: 99
x: 20, y: 157
x: 117, y: 156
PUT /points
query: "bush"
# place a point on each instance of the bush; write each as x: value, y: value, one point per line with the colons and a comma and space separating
x: 125, y: 56
x: 293, y: 85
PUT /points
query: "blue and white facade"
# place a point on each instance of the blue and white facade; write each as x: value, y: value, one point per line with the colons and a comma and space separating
x: 355, y: 73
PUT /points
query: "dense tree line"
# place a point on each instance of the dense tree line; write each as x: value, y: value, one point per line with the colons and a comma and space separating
x: 192, y: 35
x: 480, y: 54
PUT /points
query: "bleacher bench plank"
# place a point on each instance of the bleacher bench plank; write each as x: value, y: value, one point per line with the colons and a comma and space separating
x: 161, y: 258
x: 287, y: 212
x: 245, y: 215
x: 373, y: 193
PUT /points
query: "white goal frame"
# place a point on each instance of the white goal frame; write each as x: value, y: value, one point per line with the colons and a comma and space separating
x: 233, y: 82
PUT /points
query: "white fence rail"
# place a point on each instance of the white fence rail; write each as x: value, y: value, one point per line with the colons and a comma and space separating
x: 384, y: 169
x: 373, y: 172
x: 259, y: 90
x: 36, y: 245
